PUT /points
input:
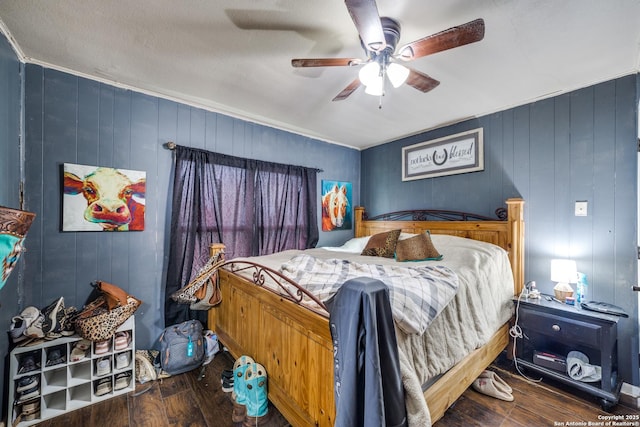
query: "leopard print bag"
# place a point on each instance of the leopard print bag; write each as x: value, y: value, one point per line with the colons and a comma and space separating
x: 97, y: 323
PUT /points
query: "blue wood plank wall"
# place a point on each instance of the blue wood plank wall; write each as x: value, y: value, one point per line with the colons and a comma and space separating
x: 75, y: 120
x: 10, y: 98
x: 577, y: 146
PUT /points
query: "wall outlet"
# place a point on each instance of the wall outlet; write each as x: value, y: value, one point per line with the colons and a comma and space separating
x: 581, y: 208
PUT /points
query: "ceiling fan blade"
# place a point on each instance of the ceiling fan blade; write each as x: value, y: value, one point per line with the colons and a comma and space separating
x: 326, y: 62
x: 367, y: 20
x: 453, y: 37
x: 347, y: 90
x: 421, y: 81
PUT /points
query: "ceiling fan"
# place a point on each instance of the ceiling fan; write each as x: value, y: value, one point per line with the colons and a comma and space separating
x: 379, y: 37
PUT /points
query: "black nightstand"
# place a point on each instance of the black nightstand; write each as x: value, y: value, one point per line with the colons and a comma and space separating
x: 560, y: 328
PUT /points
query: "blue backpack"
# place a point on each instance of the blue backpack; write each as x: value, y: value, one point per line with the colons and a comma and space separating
x: 181, y: 347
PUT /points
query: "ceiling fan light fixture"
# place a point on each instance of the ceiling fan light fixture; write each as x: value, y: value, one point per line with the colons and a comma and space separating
x: 376, y: 87
x: 397, y: 74
x: 370, y: 73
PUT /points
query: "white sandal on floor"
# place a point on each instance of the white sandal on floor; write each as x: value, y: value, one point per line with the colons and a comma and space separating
x: 491, y: 384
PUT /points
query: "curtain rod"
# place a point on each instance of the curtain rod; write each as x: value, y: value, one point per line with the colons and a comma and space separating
x: 170, y: 145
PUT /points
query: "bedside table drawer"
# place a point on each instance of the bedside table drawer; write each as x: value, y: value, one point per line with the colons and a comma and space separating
x: 561, y: 328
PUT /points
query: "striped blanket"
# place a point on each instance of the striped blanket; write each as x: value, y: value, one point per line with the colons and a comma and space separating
x: 417, y: 294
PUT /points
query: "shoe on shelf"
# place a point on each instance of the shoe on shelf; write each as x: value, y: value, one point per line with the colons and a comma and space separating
x: 53, y: 315
x: 35, y: 327
x: 77, y: 354
x: 103, y: 387
x: 123, y: 360
x: 83, y: 344
x: 30, y: 408
x: 27, y: 364
x: 122, y: 340
x: 68, y: 322
x: 101, y: 347
x: 123, y: 380
x: 32, y: 416
x: 80, y: 350
x: 55, y: 357
x: 29, y: 411
x: 27, y: 383
x: 103, y: 366
x: 30, y: 393
x: 20, y: 323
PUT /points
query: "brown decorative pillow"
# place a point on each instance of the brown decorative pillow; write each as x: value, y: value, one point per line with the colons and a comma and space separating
x: 382, y: 244
x: 417, y: 248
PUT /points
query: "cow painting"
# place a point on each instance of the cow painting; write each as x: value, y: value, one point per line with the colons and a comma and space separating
x: 336, y: 207
x: 103, y: 199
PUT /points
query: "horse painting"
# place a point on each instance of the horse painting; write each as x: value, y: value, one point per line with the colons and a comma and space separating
x: 335, y: 208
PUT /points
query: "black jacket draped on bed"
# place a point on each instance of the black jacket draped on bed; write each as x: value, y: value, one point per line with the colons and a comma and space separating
x: 368, y: 384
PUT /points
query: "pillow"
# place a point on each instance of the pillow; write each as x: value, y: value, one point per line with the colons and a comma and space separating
x: 355, y: 245
x: 382, y: 244
x: 404, y: 235
x: 417, y: 248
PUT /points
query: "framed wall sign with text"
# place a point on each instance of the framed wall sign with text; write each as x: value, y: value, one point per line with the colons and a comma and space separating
x: 450, y: 155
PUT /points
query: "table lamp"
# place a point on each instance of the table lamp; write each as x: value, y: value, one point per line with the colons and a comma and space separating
x: 564, y: 272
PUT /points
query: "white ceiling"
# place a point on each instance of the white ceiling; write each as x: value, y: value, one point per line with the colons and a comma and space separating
x: 234, y: 56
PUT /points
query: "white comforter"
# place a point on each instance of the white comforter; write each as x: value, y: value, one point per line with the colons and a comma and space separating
x: 481, y: 305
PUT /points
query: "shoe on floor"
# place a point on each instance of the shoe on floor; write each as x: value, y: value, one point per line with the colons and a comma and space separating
x: 499, y: 382
x: 226, y: 378
x: 492, y: 385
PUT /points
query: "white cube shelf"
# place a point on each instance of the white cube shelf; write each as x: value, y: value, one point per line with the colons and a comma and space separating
x: 67, y: 385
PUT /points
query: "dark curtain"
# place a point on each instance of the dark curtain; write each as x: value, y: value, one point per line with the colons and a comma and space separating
x: 253, y: 207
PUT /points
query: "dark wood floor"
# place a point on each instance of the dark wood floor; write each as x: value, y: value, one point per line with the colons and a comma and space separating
x: 186, y: 400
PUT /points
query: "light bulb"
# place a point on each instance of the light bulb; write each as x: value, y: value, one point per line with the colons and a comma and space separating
x: 369, y: 73
x: 397, y: 74
x: 375, y: 87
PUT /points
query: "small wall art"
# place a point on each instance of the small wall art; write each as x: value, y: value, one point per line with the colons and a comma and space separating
x: 102, y: 199
x: 336, y: 205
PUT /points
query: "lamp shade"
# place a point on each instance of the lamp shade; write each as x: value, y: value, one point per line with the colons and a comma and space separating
x: 564, y: 271
x: 397, y: 74
x: 370, y: 74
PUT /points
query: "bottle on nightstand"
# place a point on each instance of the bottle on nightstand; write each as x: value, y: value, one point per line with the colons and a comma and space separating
x: 581, y: 288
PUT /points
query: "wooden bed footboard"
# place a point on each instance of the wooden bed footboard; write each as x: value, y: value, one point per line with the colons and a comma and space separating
x: 294, y: 344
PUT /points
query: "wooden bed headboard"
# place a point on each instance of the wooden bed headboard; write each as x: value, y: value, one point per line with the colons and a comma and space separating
x: 508, y: 234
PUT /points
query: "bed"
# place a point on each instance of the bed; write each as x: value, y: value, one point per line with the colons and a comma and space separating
x: 292, y: 340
